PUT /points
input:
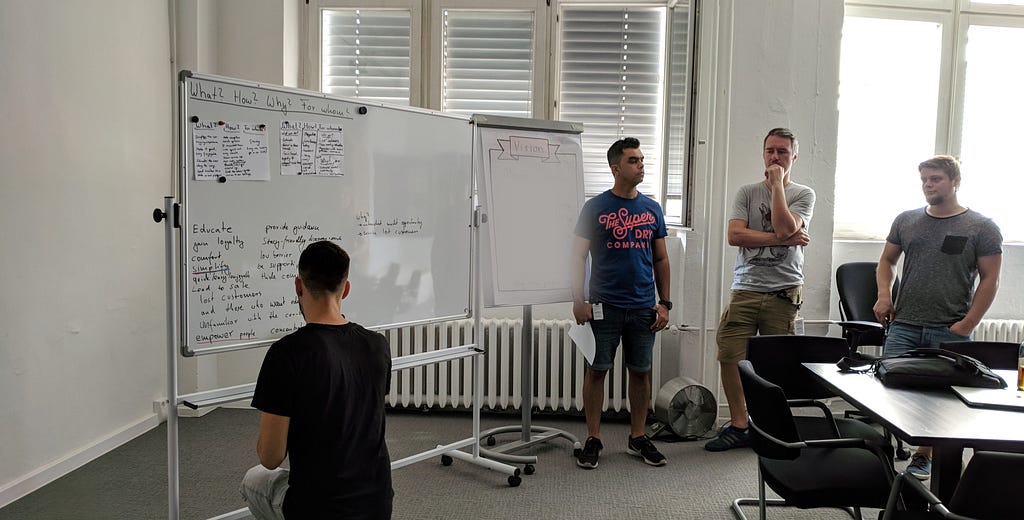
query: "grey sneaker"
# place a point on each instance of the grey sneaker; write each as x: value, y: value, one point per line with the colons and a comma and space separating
x: 643, y: 447
x: 728, y: 438
x: 587, y: 458
x: 920, y: 466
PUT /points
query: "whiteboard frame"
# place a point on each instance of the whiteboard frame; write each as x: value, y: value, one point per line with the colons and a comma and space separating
x: 184, y: 161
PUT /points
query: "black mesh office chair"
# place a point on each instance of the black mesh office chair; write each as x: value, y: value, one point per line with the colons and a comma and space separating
x: 848, y: 471
x: 997, y: 355
x: 858, y: 291
x: 988, y: 490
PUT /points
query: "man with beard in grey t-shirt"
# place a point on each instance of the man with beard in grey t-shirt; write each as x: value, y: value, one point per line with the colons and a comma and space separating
x: 947, y: 247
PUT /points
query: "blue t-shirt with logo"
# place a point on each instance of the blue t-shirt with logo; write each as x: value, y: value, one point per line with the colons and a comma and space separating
x: 621, y: 232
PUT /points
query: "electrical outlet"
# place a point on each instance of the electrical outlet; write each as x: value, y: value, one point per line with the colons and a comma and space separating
x: 160, y: 409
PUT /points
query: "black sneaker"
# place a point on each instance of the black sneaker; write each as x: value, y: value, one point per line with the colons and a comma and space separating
x: 643, y: 447
x: 728, y: 438
x: 591, y: 451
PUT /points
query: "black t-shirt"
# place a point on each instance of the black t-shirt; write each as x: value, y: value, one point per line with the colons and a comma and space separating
x: 331, y: 380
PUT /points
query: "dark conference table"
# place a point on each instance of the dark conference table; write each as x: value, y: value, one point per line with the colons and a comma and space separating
x: 936, y: 418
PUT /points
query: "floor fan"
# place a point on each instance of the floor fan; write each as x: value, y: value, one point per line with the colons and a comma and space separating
x: 685, y: 408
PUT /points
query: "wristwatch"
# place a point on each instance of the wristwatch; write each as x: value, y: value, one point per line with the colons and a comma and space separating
x: 667, y: 304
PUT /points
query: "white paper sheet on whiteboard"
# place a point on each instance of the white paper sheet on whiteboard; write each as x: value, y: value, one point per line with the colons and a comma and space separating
x: 583, y: 336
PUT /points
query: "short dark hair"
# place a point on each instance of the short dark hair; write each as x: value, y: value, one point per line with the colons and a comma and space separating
x: 947, y: 163
x: 783, y: 132
x: 615, y: 151
x: 323, y: 267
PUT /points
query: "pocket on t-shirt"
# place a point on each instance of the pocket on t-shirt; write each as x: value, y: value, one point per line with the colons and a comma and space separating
x: 954, y: 244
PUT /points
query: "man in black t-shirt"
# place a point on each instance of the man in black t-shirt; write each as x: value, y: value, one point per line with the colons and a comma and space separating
x: 321, y: 396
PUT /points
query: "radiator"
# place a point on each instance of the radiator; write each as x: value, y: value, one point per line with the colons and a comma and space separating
x: 1000, y: 330
x: 557, y: 368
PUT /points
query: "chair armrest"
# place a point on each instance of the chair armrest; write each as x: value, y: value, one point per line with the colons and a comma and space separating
x: 860, y: 326
x: 846, y: 442
x: 826, y: 412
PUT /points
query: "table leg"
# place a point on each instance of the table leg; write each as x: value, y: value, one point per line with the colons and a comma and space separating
x: 947, y: 464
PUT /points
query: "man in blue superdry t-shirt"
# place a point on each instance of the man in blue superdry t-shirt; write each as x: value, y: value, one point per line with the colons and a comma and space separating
x: 623, y: 231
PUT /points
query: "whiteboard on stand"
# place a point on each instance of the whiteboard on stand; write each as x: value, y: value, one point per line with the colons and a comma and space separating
x: 266, y: 170
x: 530, y: 175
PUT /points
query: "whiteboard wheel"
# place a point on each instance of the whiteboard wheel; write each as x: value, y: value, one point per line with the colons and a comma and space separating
x: 446, y: 460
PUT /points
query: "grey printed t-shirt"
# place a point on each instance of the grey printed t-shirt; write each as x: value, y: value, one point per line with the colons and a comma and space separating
x: 940, y: 264
x: 766, y: 269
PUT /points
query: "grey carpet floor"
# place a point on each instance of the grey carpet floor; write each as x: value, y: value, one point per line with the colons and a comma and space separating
x: 130, y: 482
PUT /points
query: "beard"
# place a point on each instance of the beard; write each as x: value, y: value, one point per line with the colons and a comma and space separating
x: 935, y: 200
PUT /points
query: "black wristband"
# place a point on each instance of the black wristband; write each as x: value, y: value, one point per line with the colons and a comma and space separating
x: 665, y: 303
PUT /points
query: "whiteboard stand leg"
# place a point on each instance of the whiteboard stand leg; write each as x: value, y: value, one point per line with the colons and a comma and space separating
x: 170, y: 219
x: 474, y: 458
x: 526, y: 428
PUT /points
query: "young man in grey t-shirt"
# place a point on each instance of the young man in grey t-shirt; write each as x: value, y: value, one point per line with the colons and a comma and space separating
x: 946, y: 247
x: 768, y: 223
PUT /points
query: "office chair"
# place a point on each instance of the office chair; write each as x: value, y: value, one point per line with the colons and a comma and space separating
x: 778, y: 359
x: 845, y: 472
x: 988, y: 490
x: 997, y: 355
x: 858, y: 291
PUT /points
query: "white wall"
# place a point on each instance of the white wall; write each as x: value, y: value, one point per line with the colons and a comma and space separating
x: 86, y: 158
x: 764, y: 64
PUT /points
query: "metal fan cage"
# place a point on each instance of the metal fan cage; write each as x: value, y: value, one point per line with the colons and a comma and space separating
x: 686, y: 407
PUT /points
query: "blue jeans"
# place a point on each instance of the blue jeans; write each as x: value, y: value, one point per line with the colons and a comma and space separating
x: 903, y: 337
x: 263, y: 490
x: 633, y: 327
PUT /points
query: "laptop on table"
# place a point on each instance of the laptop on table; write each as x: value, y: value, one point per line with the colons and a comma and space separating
x: 1001, y: 398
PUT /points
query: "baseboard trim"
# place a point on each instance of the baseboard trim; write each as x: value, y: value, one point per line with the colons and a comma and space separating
x: 42, y: 476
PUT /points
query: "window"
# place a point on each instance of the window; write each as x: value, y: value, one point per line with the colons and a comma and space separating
x: 612, y: 78
x: 366, y: 53
x: 918, y: 82
x: 622, y: 69
x: 487, y: 62
x: 678, y: 115
x: 888, y: 94
x: 992, y: 112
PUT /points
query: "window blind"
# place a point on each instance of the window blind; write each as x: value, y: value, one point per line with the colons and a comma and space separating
x: 365, y: 54
x: 676, y: 174
x: 487, y: 62
x: 612, y: 77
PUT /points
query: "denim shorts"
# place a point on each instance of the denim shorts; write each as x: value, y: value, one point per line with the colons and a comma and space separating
x: 633, y: 327
x: 903, y: 337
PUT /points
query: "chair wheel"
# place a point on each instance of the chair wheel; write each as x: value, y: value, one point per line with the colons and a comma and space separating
x: 576, y: 452
x: 903, y: 454
x: 515, y: 480
x: 446, y: 460
x: 529, y: 469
